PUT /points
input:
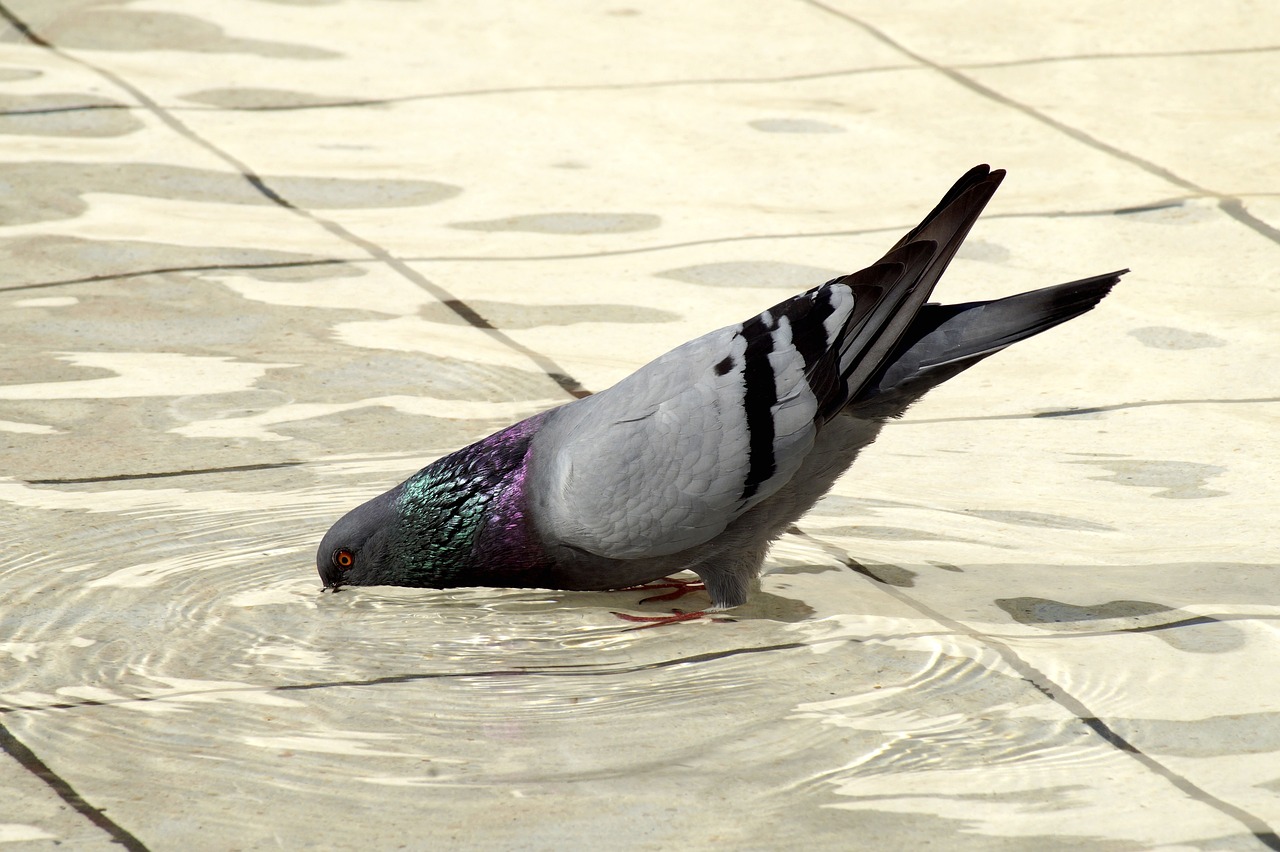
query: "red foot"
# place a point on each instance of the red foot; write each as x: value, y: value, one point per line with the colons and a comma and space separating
x: 681, y: 588
x: 659, y: 620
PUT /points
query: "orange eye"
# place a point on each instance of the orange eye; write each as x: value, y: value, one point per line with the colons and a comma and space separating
x: 344, y: 558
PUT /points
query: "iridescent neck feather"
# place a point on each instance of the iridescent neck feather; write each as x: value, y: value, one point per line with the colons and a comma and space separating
x: 462, y: 518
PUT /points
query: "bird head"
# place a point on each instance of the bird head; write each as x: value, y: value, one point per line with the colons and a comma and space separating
x: 358, y: 550
x: 420, y: 533
x: 457, y: 522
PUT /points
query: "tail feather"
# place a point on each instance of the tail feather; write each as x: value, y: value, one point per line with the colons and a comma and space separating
x: 944, y: 340
x: 931, y: 244
x: 890, y: 345
x: 967, y: 181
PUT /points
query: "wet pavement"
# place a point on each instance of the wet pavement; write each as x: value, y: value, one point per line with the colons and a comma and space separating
x: 263, y: 259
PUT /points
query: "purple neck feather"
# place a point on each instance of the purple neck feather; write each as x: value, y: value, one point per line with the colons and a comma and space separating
x: 506, y: 542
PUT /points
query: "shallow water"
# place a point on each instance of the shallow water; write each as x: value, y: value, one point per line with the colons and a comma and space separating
x: 173, y: 656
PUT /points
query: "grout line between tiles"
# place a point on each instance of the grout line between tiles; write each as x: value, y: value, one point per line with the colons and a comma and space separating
x: 29, y: 761
x: 650, y: 249
x: 1234, y: 208
x: 552, y: 88
x: 1075, y: 133
x: 1093, y: 57
x: 651, y: 84
x: 1263, y: 832
x: 553, y: 370
x: 583, y: 670
x: 6, y: 113
x: 588, y: 670
x: 165, y: 474
x: 165, y: 270
x: 1004, y: 100
x: 1093, y: 409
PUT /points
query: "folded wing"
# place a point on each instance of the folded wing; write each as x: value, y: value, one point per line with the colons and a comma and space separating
x: 669, y: 457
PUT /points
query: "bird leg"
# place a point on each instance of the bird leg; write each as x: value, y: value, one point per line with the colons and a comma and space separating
x: 680, y: 587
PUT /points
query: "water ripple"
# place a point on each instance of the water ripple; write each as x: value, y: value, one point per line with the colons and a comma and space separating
x: 175, y: 624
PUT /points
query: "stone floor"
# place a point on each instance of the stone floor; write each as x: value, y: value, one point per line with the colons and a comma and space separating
x: 264, y: 258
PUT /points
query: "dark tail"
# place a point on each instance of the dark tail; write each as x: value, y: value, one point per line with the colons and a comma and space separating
x: 895, y: 288
x: 944, y: 340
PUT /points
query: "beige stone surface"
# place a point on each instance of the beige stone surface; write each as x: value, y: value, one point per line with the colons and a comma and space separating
x: 1040, y: 612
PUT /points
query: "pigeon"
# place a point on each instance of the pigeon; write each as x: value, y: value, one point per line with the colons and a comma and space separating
x: 702, y: 458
